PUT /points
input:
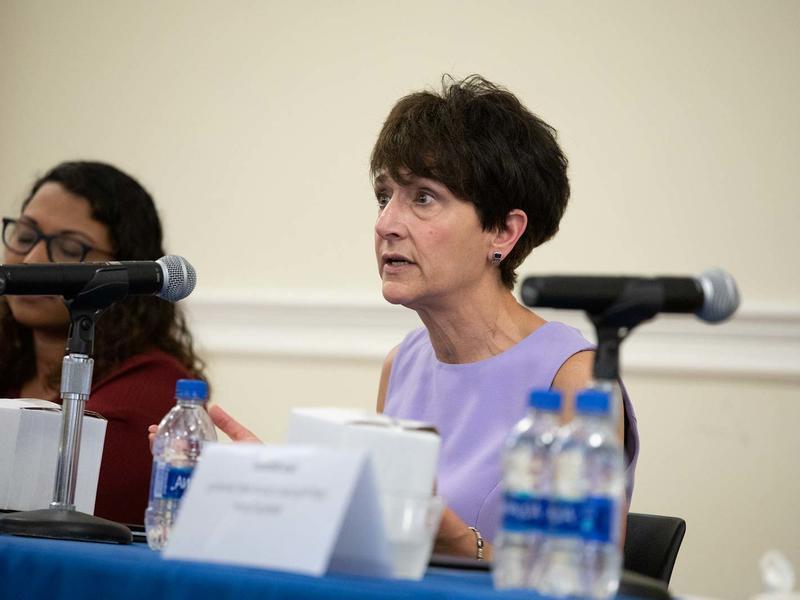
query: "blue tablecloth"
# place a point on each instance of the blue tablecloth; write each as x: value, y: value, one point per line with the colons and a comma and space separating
x: 35, y: 569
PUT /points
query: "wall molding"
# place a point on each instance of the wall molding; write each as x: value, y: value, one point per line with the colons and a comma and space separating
x: 761, y: 341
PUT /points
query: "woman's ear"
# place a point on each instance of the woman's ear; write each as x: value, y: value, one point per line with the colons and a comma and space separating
x: 507, y: 236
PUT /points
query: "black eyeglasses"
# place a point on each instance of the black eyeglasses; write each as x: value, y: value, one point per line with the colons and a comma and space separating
x: 20, y: 237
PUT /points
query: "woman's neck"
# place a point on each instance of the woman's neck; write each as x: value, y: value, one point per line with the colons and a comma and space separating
x: 478, y: 327
x: 48, y: 348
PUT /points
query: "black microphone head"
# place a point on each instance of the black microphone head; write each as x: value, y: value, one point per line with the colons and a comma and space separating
x: 720, y: 295
x: 179, y: 278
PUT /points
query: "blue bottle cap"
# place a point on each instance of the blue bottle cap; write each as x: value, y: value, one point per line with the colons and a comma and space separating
x: 594, y: 402
x: 549, y: 400
x: 191, y: 389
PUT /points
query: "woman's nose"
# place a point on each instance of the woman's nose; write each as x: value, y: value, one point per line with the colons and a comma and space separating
x: 390, y: 220
x: 37, y: 254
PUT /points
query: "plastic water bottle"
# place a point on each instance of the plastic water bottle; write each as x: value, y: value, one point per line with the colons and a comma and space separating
x: 583, y: 554
x: 527, y: 483
x: 777, y: 575
x: 176, y: 449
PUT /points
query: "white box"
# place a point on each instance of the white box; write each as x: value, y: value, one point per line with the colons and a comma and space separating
x: 404, y: 456
x: 404, y: 453
x: 30, y: 431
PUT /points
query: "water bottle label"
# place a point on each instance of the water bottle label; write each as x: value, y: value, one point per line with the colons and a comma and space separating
x: 524, y: 513
x: 169, y: 482
x: 597, y: 519
x: 564, y: 518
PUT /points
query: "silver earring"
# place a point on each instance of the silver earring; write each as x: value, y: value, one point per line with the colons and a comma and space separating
x: 496, y: 258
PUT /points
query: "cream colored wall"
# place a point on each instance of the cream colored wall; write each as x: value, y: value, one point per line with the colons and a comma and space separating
x: 251, y: 122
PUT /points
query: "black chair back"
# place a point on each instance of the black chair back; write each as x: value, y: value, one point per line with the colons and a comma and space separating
x: 652, y: 543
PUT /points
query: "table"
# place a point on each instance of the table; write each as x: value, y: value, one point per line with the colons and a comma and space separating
x: 32, y: 568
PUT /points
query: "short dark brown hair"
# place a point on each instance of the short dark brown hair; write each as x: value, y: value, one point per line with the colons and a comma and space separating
x: 478, y: 139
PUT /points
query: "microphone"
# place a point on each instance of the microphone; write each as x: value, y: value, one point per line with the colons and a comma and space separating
x: 712, y: 296
x: 170, y: 277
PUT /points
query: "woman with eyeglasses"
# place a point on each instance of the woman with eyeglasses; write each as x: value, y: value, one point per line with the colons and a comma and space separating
x: 91, y: 211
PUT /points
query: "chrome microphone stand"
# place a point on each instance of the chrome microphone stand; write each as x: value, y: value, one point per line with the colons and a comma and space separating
x: 61, y: 520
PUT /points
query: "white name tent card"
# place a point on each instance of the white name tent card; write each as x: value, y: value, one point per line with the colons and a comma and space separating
x: 290, y: 508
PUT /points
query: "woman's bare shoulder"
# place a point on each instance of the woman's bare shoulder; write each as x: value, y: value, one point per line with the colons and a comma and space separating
x: 386, y: 371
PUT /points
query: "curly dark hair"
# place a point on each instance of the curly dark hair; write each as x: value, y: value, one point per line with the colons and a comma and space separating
x: 478, y: 139
x: 130, y: 326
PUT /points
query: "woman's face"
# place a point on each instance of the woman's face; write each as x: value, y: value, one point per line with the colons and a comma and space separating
x: 54, y: 210
x: 429, y: 243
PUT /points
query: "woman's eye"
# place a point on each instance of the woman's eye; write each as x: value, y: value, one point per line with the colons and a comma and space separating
x: 424, y: 198
x: 383, y: 199
x: 69, y: 249
x: 25, y: 237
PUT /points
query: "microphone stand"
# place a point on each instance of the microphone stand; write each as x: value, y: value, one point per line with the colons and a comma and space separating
x: 640, y: 301
x: 61, y: 520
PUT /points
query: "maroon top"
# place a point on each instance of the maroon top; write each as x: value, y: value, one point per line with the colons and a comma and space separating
x: 137, y: 394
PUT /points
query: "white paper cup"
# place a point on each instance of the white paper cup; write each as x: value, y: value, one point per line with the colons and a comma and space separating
x: 411, y: 523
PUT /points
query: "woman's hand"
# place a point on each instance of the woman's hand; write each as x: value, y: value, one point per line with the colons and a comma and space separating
x: 457, y: 539
x: 151, y: 435
x: 229, y: 426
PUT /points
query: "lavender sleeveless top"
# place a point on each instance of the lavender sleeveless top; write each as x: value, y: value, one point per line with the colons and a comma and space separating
x: 475, y: 405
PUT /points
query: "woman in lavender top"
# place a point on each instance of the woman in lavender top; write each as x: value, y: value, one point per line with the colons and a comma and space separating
x: 468, y: 182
